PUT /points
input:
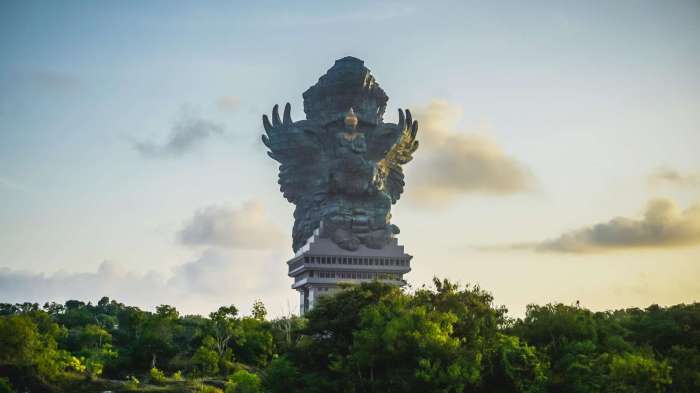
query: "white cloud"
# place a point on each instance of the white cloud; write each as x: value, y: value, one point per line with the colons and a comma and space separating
x: 450, y: 163
x: 247, y: 227
x: 664, y: 225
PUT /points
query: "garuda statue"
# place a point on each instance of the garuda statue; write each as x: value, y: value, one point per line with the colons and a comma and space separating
x: 342, y: 166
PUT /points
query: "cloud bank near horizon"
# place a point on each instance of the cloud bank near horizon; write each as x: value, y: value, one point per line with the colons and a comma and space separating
x: 201, y: 285
x: 663, y: 225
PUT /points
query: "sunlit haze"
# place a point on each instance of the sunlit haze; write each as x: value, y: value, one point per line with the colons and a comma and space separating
x: 559, y: 158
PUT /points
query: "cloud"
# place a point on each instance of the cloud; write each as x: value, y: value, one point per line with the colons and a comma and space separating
x: 53, y: 80
x: 673, y: 177
x: 247, y: 227
x: 187, y: 133
x: 228, y: 103
x: 450, y: 163
x: 12, y: 185
x: 219, y: 274
x: 215, y: 278
x: 110, y: 279
x: 664, y: 225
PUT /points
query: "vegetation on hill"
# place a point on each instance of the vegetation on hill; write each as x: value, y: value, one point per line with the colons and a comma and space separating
x: 367, y: 338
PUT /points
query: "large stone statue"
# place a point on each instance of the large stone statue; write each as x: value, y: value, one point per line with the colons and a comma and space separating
x: 342, y: 166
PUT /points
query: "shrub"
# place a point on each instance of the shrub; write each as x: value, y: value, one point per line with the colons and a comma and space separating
x: 5, y: 386
x: 208, y: 389
x: 243, y: 382
x: 157, y: 376
x: 132, y: 383
x: 281, y: 376
x: 93, y: 368
x: 74, y: 364
x: 177, y: 376
x: 205, y: 362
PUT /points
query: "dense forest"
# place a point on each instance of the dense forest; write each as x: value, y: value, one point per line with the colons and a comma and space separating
x: 367, y: 338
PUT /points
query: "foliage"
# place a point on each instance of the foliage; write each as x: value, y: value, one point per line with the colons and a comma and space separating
x: 254, y: 344
x: 243, y: 381
x: 5, y: 386
x: 208, y: 389
x: 205, y: 360
x: 132, y: 383
x: 638, y: 373
x: 259, y: 311
x: 28, y: 342
x: 76, y: 365
x: 157, y: 376
x: 281, y: 376
x: 366, y: 338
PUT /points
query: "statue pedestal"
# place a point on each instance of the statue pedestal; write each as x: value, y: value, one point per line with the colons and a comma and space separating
x: 320, y: 266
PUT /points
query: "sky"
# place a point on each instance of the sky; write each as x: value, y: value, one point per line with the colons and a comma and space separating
x: 559, y: 158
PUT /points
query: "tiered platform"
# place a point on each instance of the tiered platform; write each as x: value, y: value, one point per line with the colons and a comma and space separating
x: 320, y: 266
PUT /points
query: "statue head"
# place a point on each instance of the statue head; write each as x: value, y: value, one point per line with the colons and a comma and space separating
x: 350, y: 120
x: 348, y: 84
x: 349, y: 138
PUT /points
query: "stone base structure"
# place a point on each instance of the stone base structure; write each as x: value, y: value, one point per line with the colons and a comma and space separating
x: 320, y: 266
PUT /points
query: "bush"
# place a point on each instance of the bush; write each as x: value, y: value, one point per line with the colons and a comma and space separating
x: 5, y: 386
x: 205, y: 362
x: 157, y: 376
x: 74, y: 364
x: 177, y: 376
x: 132, y: 383
x: 280, y: 376
x: 243, y: 382
x: 208, y: 389
x: 93, y: 368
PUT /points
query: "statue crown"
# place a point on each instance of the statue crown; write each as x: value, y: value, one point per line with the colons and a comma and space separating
x: 350, y: 120
x: 348, y: 84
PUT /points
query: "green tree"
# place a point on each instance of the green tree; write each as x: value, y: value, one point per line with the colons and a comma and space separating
x: 254, y: 343
x: 286, y: 332
x: 281, y: 376
x: 259, y: 311
x: 205, y: 360
x: 28, y: 343
x: 685, y: 369
x: 157, y: 339
x: 224, y: 326
x: 514, y: 366
x: 636, y: 373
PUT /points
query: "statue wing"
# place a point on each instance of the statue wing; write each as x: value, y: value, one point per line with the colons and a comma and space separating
x: 298, y: 149
x: 396, y: 143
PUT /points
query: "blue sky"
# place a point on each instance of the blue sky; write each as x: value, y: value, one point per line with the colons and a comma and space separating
x: 595, y: 104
